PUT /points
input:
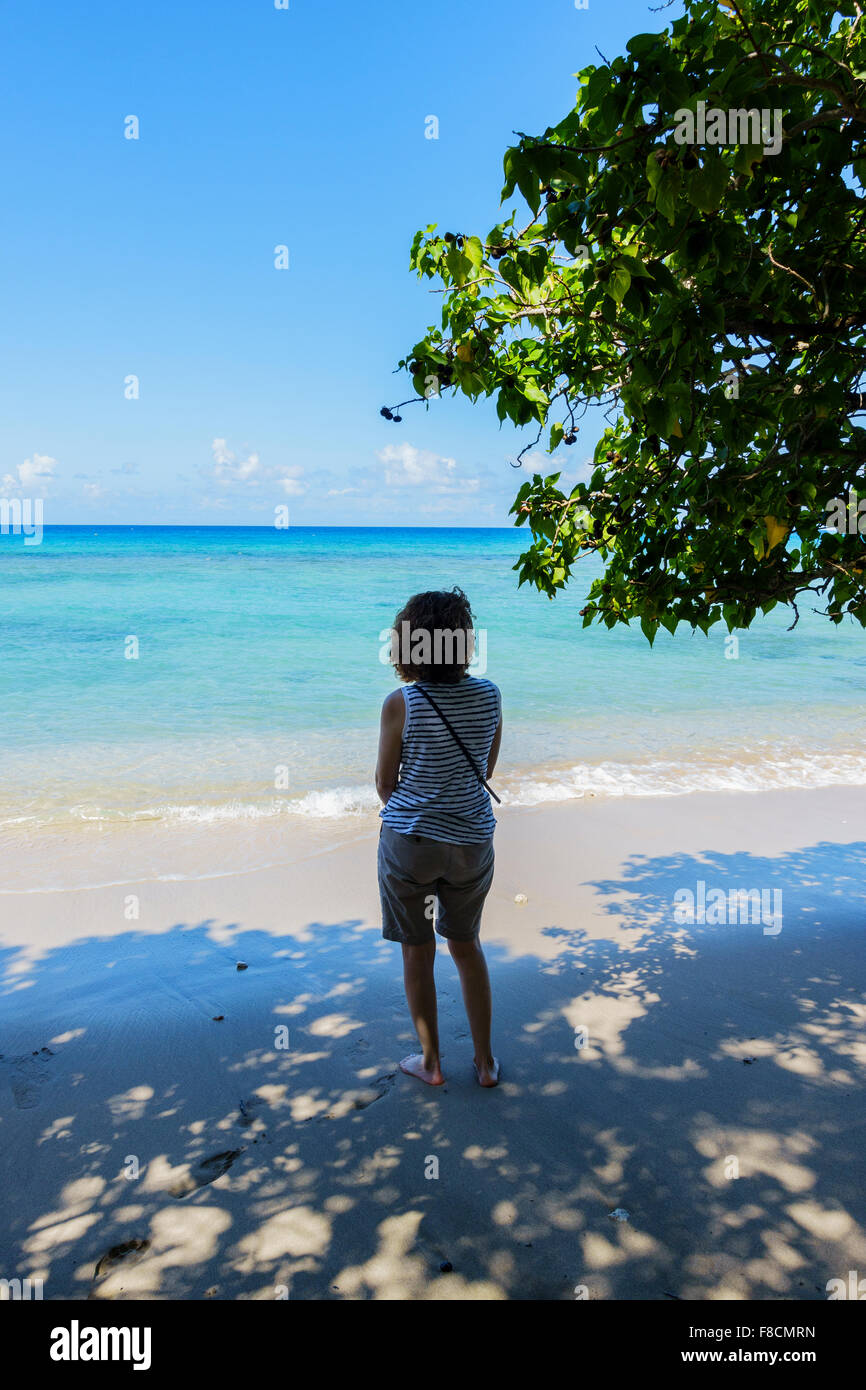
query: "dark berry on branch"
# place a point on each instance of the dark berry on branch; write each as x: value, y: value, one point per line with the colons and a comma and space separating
x: 396, y: 419
x: 386, y: 412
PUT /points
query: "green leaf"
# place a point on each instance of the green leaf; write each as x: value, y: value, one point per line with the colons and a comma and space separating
x: 642, y: 44
x: 630, y: 258
x: 654, y: 170
x: 746, y: 157
x: 618, y: 283
x: 534, y: 393
x: 667, y: 190
x: 706, y: 186
x: 474, y: 252
x: 528, y: 184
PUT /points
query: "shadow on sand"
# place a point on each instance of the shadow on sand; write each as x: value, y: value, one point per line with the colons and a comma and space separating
x: 208, y: 1132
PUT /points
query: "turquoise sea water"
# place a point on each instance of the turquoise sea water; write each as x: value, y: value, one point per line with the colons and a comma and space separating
x: 258, y: 680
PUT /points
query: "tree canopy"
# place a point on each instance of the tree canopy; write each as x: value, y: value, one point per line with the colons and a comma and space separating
x: 693, y: 261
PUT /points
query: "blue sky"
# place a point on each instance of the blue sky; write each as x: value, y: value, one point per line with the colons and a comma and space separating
x: 154, y: 257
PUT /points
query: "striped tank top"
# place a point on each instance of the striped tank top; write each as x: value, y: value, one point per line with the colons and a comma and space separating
x: 437, y: 794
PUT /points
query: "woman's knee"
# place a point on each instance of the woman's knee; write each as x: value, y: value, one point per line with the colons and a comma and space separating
x: 419, y: 954
x: 465, y: 950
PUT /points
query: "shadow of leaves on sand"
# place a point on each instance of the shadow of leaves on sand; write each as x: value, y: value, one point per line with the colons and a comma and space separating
x: 714, y: 1096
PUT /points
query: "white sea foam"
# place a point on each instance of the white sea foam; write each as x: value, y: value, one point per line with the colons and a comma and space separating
x: 327, y: 804
x: 337, y: 801
x: 660, y: 778
x: 763, y: 769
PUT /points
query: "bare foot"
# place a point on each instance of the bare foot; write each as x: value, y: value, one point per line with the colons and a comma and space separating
x: 414, y: 1066
x: 488, y: 1072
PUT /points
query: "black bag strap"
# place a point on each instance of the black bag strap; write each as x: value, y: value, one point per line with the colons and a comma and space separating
x: 460, y: 744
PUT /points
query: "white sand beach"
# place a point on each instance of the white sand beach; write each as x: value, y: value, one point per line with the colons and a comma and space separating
x: 148, y: 1099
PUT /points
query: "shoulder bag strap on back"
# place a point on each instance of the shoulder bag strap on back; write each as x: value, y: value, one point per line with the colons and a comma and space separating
x: 458, y: 740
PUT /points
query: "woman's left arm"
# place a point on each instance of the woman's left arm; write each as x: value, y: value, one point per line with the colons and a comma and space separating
x: 494, y: 749
x: 390, y: 744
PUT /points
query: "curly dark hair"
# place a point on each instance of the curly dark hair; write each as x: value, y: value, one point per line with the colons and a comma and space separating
x: 431, y: 639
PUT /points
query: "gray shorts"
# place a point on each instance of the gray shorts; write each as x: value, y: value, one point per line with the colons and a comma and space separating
x: 417, y: 874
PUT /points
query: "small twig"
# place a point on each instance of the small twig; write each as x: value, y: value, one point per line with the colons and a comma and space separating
x: 789, y: 271
x: 526, y: 448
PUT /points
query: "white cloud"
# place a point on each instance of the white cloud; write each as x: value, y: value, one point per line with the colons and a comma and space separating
x: 228, y: 468
x: 533, y: 462
x: 406, y: 466
x: 231, y: 471
x: 536, y: 461
x: 32, y: 477
x: 289, y: 480
x: 93, y: 490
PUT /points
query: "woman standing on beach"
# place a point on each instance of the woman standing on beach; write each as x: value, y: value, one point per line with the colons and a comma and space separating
x: 438, y: 743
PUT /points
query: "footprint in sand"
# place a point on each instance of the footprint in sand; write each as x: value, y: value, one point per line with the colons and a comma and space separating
x: 250, y: 1111
x: 359, y: 1100
x: 117, y: 1253
x: 119, y: 1257
x: 28, y: 1075
x: 251, y: 1116
x: 381, y: 1086
x: 205, y: 1172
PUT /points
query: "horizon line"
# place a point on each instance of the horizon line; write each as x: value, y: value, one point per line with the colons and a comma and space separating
x: 258, y: 526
